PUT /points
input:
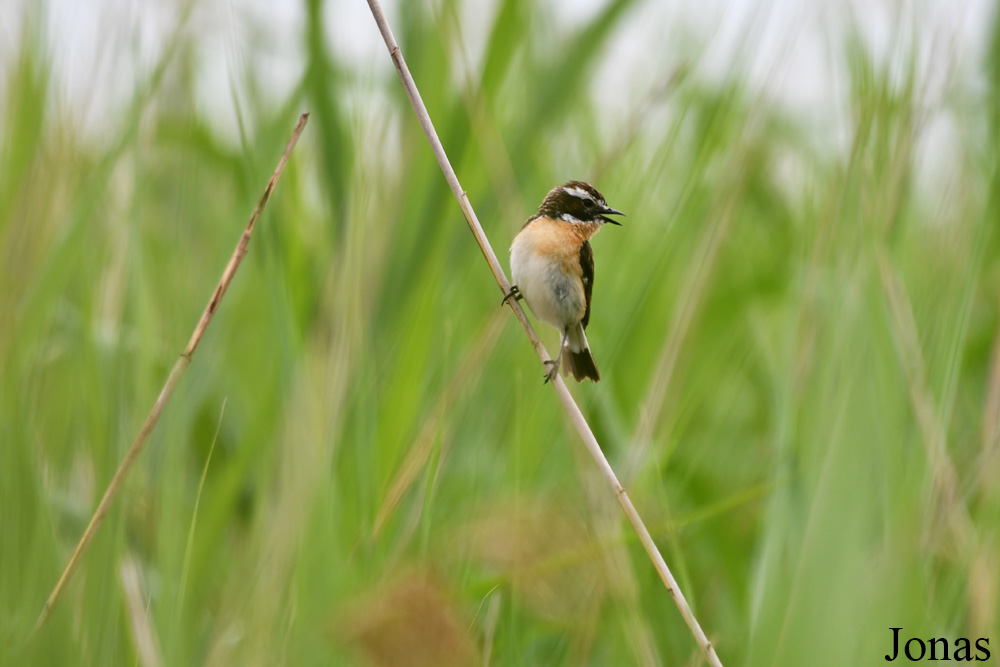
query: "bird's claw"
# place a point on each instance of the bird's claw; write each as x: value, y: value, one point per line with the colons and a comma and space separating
x: 514, y: 293
x: 553, y: 372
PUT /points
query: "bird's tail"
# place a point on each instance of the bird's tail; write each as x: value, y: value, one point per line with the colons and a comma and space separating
x: 577, y: 358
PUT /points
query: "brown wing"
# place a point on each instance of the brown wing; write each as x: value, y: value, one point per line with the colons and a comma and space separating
x: 587, y: 264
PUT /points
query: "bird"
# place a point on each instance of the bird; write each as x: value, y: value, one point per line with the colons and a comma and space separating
x: 552, y: 267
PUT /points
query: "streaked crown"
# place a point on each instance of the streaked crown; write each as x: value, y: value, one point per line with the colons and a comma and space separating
x: 577, y: 202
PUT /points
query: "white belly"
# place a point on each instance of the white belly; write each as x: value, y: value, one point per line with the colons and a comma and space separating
x: 552, y: 295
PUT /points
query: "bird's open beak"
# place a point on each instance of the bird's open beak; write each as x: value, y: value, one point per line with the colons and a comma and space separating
x: 610, y: 211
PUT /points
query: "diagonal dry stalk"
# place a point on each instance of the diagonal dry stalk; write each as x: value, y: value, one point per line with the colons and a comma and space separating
x: 572, y: 410
x: 175, y: 375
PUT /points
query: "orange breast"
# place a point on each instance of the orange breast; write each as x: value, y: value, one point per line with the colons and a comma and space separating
x: 561, y: 241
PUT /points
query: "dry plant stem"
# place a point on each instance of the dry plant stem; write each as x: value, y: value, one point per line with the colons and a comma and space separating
x: 175, y: 375
x: 572, y: 410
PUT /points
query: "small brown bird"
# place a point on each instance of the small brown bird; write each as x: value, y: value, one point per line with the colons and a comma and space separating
x: 552, y: 266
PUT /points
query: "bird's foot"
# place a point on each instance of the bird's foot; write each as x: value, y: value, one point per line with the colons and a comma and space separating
x: 553, y: 371
x: 514, y: 293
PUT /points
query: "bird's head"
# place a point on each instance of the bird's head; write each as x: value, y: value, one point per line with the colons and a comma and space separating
x: 577, y: 202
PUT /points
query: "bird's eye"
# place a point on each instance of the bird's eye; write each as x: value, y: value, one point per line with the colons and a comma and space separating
x: 588, y: 203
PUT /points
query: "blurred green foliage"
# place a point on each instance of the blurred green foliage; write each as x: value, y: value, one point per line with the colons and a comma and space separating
x: 799, y: 350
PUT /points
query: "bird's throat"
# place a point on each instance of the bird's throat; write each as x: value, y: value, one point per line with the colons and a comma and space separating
x: 584, y: 230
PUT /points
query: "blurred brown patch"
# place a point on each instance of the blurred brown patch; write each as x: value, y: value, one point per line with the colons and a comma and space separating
x: 547, y: 552
x: 410, y: 622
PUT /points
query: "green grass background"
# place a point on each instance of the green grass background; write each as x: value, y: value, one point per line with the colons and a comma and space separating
x: 798, y: 342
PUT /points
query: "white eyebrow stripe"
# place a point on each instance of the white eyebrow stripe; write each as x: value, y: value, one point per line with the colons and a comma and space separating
x: 577, y: 192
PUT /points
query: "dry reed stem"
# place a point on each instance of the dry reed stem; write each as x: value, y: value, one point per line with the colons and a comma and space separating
x: 175, y: 375
x: 572, y: 410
